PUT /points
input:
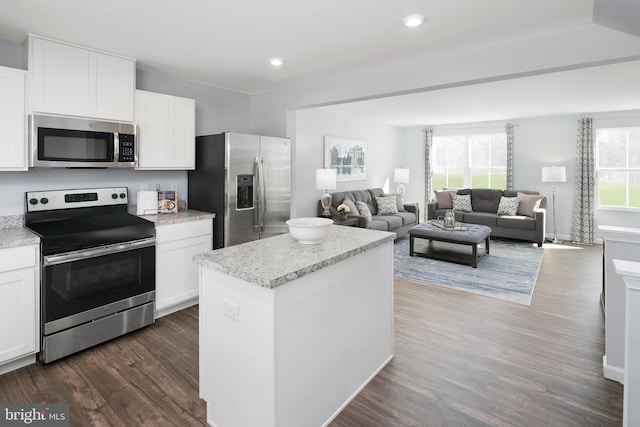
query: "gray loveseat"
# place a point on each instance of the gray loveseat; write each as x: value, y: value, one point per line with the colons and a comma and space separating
x: 406, y: 217
x: 527, y: 223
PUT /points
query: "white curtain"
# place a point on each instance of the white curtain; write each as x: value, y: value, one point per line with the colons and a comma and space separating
x: 428, y: 172
x: 508, y: 129
x: 582, y: 228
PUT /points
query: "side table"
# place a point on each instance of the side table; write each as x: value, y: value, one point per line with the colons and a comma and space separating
x: 349, y: 222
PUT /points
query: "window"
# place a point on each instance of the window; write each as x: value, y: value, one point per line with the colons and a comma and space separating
x: 466, y: 161
x: 618, y: 167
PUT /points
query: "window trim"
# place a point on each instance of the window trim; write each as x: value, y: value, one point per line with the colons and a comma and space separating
x: 468, y: 169
x: 613, y: 124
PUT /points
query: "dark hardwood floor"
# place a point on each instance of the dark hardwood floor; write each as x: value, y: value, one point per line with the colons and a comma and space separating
x: 460, y: 360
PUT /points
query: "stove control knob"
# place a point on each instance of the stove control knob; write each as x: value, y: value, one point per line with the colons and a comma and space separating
x: 33, y: 201
x: 44, y: 200
x: 122, y: 195
x: 114, y: 196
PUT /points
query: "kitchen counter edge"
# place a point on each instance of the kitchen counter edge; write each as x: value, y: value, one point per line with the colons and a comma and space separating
x: 281, y: 259
x: 16, y: 237
x: 183, y: 216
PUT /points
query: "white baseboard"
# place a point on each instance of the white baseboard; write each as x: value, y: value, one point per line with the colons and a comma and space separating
x: 612, y: 372
x: 17, y: 364
x: 177, y: 307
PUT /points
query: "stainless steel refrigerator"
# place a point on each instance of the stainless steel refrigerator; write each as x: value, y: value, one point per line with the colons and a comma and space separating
x: 246, y: 181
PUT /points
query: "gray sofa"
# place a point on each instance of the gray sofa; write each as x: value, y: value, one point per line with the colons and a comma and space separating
x: 399, y: 223
x: 528, y: 223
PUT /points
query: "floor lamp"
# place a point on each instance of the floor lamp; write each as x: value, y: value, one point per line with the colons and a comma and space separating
x: 554, y: 175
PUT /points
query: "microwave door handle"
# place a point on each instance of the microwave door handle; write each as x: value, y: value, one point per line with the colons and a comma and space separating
x: 256, y: 195
x: 116, y: 147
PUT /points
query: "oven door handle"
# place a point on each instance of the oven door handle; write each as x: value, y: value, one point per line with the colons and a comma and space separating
x: 96, y: 252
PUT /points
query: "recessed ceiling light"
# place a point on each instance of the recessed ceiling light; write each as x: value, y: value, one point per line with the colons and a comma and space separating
x: 413, y: 20
x: 276, y: 62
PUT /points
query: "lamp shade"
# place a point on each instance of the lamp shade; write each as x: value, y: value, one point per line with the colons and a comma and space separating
x: 554, y: 174
x: 401, y: 175
x: 325, y: 179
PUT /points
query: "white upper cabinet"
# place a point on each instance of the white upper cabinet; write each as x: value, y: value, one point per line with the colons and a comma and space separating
x: 166, y: 131
x: 13, y: 144
x: 72, y: 80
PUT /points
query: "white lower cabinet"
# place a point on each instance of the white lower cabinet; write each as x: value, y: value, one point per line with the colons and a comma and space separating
x: 177, y: 281
x: 19, y: 305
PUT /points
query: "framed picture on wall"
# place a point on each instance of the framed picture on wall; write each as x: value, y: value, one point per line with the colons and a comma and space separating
x: 347, y: 156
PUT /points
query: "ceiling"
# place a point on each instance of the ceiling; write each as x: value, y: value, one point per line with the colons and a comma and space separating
x: 228, y: 44
x: 605, y: 88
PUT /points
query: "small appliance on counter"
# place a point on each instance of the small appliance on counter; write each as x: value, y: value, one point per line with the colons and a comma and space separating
x: 147, y: 203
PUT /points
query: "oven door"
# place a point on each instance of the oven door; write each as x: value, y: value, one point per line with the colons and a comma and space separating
x: 82, y: 286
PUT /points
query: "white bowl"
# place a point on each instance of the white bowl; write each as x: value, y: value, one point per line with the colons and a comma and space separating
x: 309, y: 231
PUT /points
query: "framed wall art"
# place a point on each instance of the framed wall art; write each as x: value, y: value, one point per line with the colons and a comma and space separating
x: 347, y: 156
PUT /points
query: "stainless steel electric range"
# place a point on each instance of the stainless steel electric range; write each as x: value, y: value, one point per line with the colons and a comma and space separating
x: 98, y: 267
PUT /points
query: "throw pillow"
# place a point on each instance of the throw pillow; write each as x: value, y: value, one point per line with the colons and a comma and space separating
x: 364, y: 210
x: 387, y: 205
x: 508, y: 206
x: 461, y: 202
x: 398, y: 201
x: 444, y: 199
x: 352, y: 206
x: 528, y: 204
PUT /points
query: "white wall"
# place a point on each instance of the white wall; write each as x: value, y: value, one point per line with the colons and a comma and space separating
x: 384, y: 154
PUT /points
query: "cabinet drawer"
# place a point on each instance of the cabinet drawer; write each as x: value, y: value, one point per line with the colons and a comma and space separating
x: 17, y: 258
x: 183, y: 230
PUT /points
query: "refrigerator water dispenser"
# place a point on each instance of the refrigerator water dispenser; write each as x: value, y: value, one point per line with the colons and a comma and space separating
x: 245, y: 192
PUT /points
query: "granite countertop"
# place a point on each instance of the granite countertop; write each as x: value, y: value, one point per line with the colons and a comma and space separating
x: 277, y: 260
x: 182, y: 216
x: 17, y: 236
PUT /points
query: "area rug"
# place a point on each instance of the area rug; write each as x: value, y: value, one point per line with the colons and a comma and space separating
x: 508, y: 272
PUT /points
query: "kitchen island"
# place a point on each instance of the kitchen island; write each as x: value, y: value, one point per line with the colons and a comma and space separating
x: 290, y: 333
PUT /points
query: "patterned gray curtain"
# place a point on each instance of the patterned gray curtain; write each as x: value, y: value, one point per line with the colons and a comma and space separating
x: 582, y: 229
x: 428, y: 172
x: 508, y: 129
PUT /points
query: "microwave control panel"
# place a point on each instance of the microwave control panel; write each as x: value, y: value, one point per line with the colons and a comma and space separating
x: 127, y: 148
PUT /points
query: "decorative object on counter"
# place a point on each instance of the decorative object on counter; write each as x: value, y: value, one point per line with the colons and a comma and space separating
x: 348, y: 157
x: 309, y: 231
x: 147, y: 203
x: 168, y: 202
x: 401, y: 177
x: 326, y: 180
x: 343, y: 210
x: 554, y: 175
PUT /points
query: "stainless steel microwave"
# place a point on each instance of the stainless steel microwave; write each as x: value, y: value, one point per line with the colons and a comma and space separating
x: 68, y: 142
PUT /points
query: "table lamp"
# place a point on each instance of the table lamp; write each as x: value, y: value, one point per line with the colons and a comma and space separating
x: 326, y: 180
x: 401, y: 177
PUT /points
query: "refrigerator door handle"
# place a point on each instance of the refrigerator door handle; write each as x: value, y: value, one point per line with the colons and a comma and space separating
x: 263, y: 193
x: 256, y: 195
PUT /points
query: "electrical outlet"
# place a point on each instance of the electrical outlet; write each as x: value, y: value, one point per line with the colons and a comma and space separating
x: 144, y: 187
x: 231, y: 310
